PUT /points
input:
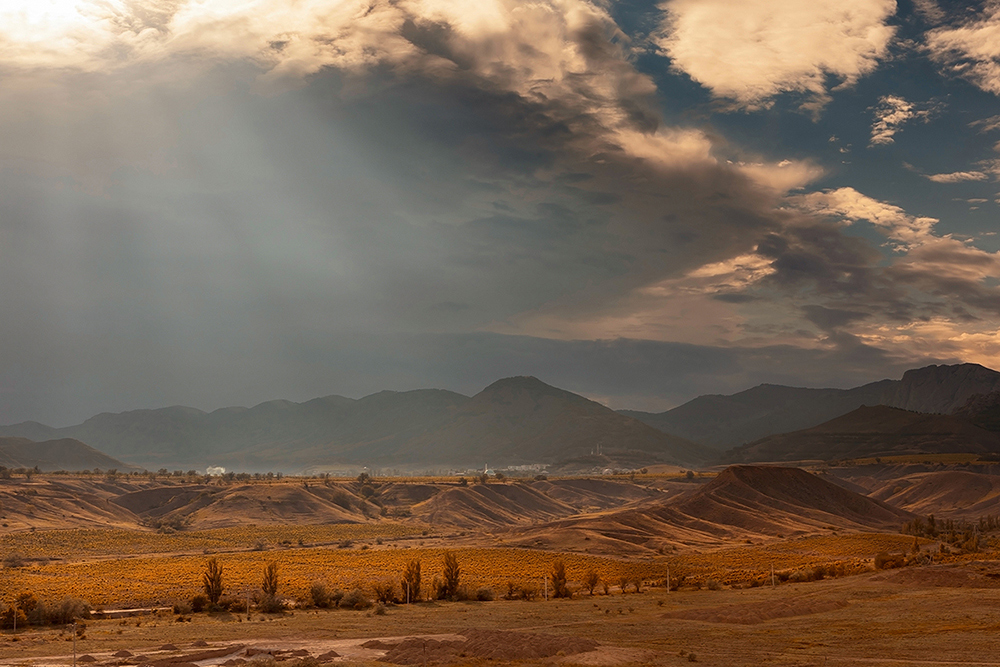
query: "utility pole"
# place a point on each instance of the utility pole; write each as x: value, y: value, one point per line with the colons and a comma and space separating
x: 545, y: 583
x: 74, y: 643
x: 772, y: 575
x: 668, y: 578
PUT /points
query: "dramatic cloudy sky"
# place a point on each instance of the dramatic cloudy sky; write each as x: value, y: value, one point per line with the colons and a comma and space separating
x: 221, y: 202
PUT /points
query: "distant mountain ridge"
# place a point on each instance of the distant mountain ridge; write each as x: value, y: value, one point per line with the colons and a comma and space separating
x: 871, y: 431
x: 513, y: 421
x: 724, y: 422
x: 51, y: 455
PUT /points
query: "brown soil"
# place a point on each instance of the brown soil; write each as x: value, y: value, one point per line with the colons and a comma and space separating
x: 754, y: 613
x: 944, y: 576
x: 488, y: 644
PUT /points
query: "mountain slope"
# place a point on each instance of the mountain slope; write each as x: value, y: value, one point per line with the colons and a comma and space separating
x: 948, y: 493
x: 741, y: 502
x: 522, y: 420
x: 50, y: 455
x: 871, y: 431
x: 723, y: 421
x: 727, y: 421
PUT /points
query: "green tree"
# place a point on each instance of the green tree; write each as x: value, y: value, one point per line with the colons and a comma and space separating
x: 211, y: 579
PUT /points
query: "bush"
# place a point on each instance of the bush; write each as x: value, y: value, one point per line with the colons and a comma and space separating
x: 355, y: 599
x: 69, y: 610
x: 12, y: 617
x: 713, y: 585
x: 385, y: 591
x: 198, y: 603
x: 13, y: 560
x: 885, y: 561
x: 271, y: 604
x: 591, y: 581
x: 319, y: 595
x: 485, y: 595
x: 182, y: 608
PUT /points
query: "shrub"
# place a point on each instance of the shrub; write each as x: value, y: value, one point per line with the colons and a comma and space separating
x: 182, y: 608
x: 13, y: 560
x: 69, y: 610
x: 379, y: 610
x: 886, y: 561
x: 12, y: 617
x: 385, y: 591
x: 713, y: 585
x: 528, y: 592
x: 271, y: 604
x: 319, y: 595
x: 355, y: 599
x: 198, y: 603
x: 512, y: 591
x: 591, y: 581
x: 485, y: 594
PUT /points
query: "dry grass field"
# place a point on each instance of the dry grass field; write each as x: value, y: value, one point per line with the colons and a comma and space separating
x: 873, y: 619
x: 720, y: 538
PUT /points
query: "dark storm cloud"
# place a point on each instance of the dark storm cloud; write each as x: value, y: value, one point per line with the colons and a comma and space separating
x: 245, y: 203
x: 830, y: 319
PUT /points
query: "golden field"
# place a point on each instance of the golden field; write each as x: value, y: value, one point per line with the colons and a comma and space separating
x: 129, y: 568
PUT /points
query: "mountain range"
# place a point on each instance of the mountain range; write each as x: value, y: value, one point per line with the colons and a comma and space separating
x: 871, y: 431
x: 518, y: 420
x: 522, y: 420
x: 723, y: 422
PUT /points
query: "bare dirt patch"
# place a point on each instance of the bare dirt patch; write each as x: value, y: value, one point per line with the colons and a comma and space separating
x: 944, y: 576
x: 487, y: 644
x: 758, y: 612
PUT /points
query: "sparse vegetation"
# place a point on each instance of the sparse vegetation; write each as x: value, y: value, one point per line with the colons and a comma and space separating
x: 411, y: 581
x: 211, y: 580
x: 452, y: 575
x: 558, y: 579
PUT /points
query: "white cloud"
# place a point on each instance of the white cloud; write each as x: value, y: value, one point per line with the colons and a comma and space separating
x: 754, y: 50
x: 957, y: 177
x: 850, y: 205
x: 972, y: 49
x: 891, y: 113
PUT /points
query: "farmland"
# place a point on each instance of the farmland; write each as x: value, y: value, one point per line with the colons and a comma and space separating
x: 159, y: 569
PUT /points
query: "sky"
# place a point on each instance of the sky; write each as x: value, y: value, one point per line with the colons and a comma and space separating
x: 222, y: 202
